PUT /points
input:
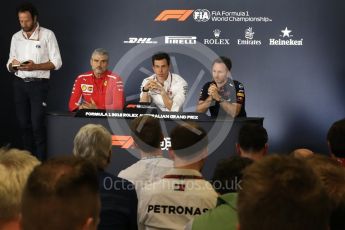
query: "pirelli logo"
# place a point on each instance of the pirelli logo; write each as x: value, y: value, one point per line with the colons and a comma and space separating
x: 186, y: 40
x: 123, y: 142
x: 179, y: 15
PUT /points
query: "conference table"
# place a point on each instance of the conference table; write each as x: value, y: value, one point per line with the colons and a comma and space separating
x: 63, y: 126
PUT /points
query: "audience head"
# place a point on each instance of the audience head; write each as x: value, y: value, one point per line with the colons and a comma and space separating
x: 252, y: 141
x: 336, y: 139
x: 281, y: 192
x: 227, y: 176
x: 15, y: 167
x: 332, y: 176
x: 61, y: 193
x: 302, y: 153
x: 147, y: 134
x: 93, y: 142
x: 189, y: 143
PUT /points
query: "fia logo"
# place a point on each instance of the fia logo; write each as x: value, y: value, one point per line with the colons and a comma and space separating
x: 201, y: 15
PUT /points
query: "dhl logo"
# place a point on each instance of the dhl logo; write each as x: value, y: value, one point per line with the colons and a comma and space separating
x: 179, y: 15
x: 123, y: 142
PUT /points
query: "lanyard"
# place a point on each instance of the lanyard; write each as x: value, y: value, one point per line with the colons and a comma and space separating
x: 151, y: 157
x: 183, y: 177
x: 31, y: 39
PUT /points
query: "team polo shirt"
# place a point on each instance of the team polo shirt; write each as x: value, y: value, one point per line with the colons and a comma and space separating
x: 146, y: 171
x: 175, y: 86
x: 173, y: 201
x: 232, y: 92
x: 41, y: 47
x: 106, y: 91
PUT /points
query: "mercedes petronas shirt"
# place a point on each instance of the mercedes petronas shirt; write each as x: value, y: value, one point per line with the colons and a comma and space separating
x: 106, y: 91
x: 146, y: 171
x: 173, y: 201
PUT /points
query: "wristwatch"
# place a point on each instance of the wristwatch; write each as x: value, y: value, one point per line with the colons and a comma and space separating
x: 144, y: 90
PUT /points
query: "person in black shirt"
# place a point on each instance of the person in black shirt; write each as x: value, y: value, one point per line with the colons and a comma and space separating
x: 223, y: 96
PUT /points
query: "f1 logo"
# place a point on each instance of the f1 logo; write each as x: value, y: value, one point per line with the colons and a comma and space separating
x: 179, y: 15
x: 131, y: 106
x: 123, y: 142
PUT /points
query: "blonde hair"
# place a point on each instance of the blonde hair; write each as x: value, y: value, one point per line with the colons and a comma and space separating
x: 15, y: 168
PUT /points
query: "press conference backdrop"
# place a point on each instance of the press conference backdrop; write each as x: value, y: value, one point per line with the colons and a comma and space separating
x: 288, y: 54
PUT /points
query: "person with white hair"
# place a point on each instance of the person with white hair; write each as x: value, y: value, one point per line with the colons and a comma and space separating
x: 118, y: 196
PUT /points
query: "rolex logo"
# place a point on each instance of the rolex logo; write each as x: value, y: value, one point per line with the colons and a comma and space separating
x: 216, y: 33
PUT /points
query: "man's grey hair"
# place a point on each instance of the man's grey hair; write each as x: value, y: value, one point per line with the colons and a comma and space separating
x: 100, y: 51
x: 93, y: 142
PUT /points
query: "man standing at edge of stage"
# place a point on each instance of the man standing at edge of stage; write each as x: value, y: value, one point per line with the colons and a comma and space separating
x: 34, y: 52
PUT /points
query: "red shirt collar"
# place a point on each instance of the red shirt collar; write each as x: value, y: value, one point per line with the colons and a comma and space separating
x: 341, y: 161
x: 102, y: 76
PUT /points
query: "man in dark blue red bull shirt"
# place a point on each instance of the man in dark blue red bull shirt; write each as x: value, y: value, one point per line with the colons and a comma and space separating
x: 223, y: 96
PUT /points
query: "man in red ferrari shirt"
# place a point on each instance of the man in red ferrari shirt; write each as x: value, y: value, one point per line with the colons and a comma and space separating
x: 99, y: 88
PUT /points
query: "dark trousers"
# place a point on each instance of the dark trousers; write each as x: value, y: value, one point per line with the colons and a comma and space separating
x: 30, y: 103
